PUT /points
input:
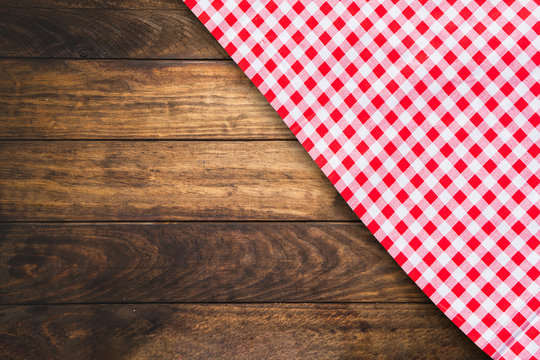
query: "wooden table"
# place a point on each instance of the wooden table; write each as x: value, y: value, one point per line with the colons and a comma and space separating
x: 154, y: 206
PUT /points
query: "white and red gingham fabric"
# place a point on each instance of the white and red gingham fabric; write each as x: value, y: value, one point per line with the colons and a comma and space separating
x: 424, y: 114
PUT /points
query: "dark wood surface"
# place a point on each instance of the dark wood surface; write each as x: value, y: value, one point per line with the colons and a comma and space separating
x: 160, y: 209
x: 96, y: 4
x: 198, y: 262
x: 231, y: 331
x: 104, y: 33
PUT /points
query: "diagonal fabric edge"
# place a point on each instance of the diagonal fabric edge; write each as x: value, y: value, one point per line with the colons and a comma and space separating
x: 513, y: 331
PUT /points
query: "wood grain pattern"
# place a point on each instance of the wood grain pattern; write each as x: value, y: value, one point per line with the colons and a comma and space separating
x: 104, y: 33
x: 187, y: 180
x: 96, y: 4
x: 242, y: 331
x: 78, y: 99
x: 198, y: 262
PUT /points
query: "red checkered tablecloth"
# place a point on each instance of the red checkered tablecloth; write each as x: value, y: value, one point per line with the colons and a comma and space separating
x: 424, y: 114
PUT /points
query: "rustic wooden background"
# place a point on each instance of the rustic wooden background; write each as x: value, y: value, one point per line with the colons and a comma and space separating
x: 154, y: 206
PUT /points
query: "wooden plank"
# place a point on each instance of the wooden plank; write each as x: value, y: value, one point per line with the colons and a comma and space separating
x: 96, y: 4
x: 186, y: 180
x: 198, y: 262
x: 104, y: 33
x: 242, y: 331
x: 77, y: 99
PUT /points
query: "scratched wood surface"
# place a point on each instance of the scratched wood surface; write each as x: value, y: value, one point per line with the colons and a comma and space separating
x: 164, y: 100
x: 153, y: 205
x: 105, y: 33
x: 198, y: 262
x: 231, y: 331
